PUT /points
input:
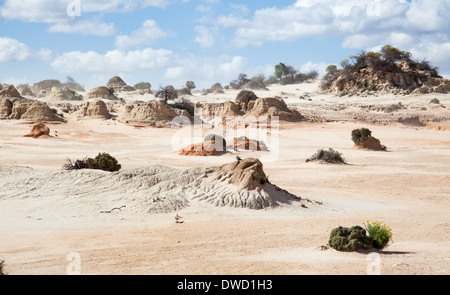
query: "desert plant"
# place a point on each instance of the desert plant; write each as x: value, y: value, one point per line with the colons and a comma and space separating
x: 190, y: 85
x: 329, y: 156
x: 349, y: 239
x: 105, y: 162
x: 77, y: 165
x: 2, y: 265
x: 380, y: 233
x: 167, y: 93
x: 359, y: 135
x: 183, y: 104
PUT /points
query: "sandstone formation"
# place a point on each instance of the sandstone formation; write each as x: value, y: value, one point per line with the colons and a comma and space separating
x: 270, y: 107
x: 101, y: 92
x: 39, y: 130
x: 20, y: 107
x: 95, y: 110
x: 226, y: 109
x: 116, y: 84
x: 26, y: 91
x: 45, y: 85
x: 153, y: 113
x: 245, y: 174
x: 64, y: 94
x: 434, y: 85
x: 5, y: 108
x: 204, y: 149
x: 39, y: 111
x: 370, y: 143
x: 9, y: 92
x: 246, y: 144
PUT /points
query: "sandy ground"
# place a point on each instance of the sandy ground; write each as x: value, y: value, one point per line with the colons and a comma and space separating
x: 406, y: 187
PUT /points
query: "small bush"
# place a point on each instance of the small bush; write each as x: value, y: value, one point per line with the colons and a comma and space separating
x: 77, y: 165
x: 2, y: 265
x: 359, y: 135
x: 104, y: 162
x: 435, y: 101
x: 329, y: 156
x: 379, y: 232
x: 184, y: 104
x: 349, y: 239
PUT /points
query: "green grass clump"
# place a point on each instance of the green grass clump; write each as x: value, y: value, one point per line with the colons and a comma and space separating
x: 380, y: 233
x: 349, y: 239
x: 329, y: 156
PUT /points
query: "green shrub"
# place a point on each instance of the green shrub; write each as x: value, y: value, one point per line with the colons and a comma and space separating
x: 329, y: 156
x: 349, y: 239
x: 105, y: 162
x: 379, y: 233
x: 359, y: 135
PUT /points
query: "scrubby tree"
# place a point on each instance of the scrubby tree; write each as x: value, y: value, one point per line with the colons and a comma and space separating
x: 331, y: 69
x: 240, y: 81
x: 259, y: 78
x: 344, y: 63
x: 392, y: 54
x: 280, y: 70
x: 190, y: 85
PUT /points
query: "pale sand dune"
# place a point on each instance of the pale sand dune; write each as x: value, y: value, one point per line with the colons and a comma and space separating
x: 42, y: 219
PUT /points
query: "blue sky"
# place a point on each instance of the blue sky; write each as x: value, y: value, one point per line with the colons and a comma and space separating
x: 207, y: 41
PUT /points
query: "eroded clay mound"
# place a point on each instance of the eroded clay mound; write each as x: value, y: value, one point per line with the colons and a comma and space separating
x: 39, y: 130
x: 154, y: 112
x: 370, y: 143
x: 272, y: 107
x: 95, y: 109
x: 155, y: 189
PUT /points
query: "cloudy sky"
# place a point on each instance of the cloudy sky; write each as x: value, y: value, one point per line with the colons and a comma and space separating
x: 171, y: 41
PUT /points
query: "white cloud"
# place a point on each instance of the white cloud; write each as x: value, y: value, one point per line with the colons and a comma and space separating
x: 55, y: 12
x: 13, y: 50
x: 83, y: 27
x: 144, y: 36
x: 156, y: 64
x: 112, y: 61
x: 204, y: 37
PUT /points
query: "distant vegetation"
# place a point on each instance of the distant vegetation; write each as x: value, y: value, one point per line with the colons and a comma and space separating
x: 328, y: 156
x: 283, y: 74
